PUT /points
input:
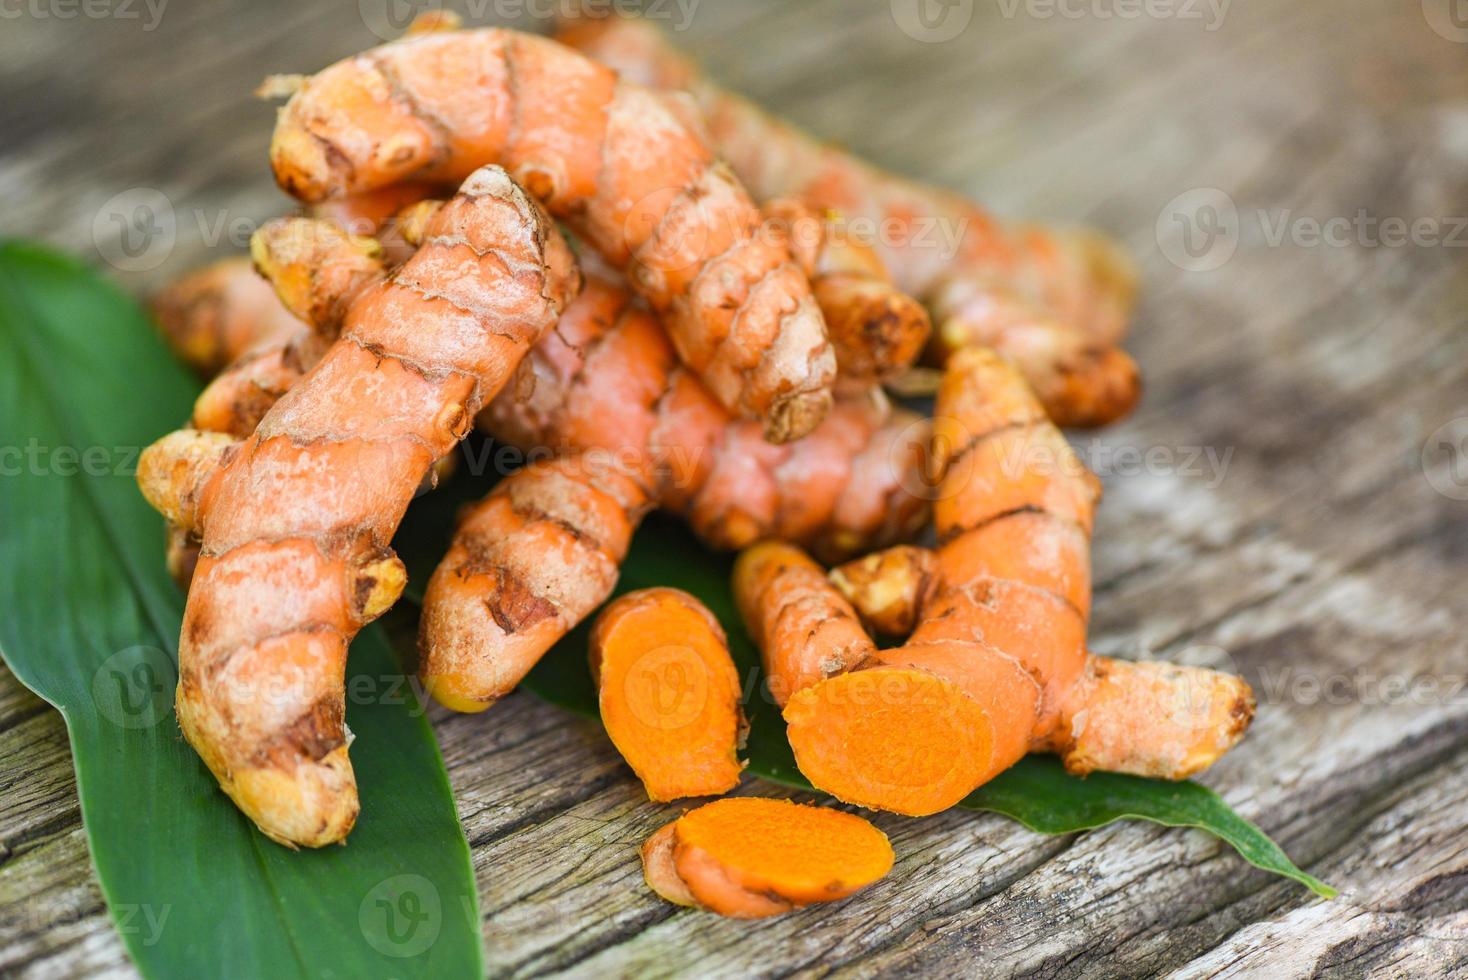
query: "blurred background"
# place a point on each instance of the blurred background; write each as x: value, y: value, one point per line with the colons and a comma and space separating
x: 1288, y: 502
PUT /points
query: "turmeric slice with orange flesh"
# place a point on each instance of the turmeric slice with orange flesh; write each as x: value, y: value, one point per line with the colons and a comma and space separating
x: 997, y: 665
x: 296, y: 525
x: 669, y: 693
x: 750, y: 858
x: 626, y: 167
x: 1054, y: 301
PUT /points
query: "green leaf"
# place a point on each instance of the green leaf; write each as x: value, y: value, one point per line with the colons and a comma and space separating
x: 91, y: 624
x: 1037, y: 792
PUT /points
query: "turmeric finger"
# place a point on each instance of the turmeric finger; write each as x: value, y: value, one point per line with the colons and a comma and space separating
x: 750, y: 858
x: 624, y: 166
x: 669, y: 693
x: 215, y: 314
x: 296, y: 526
x: 889, y: 589
x: 1082, y: 381
x: 937, y: 246
x: 526, y: 565
x: 174, y: 471
x: 878, y: 331
x: 997, y: 665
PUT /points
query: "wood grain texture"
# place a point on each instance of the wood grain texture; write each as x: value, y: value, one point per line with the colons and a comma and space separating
x: 1285, y: 524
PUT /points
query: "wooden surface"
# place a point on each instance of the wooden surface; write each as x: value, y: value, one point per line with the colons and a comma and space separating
x: 1325, y: 560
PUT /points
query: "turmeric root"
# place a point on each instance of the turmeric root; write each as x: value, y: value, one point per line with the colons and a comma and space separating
x: 749, y: 858
x: 527, y: 564
x: 214, y: 315
x: 317, y: 271
x: 889, y: 588
x: 217, y: 314
x: 669, y: 693
x: 296, y: 524
x: 621, y: 164
x: 606, y: 384
x: 1056, y: 302
x: 997, y: 664
x: 878, y: 331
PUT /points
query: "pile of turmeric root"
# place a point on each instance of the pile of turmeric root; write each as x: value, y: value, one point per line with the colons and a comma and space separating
x: 583, y: 245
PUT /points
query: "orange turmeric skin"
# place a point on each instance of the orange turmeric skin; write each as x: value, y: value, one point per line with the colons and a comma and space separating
x: 997, y: 664
x: 222, y: 312
x: 624, y: 166
x: 751, y: 858
x: 296, y: 525
x: 1055, y: 302
x: 606, y: 384
x: 878, y: 330
x: 527, y: 563
x: 214, y: 315
x: 669, y: 693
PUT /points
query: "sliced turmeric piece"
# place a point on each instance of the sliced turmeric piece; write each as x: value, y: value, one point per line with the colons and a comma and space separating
x: 997, y: 664
x: 669, y: 693
x: 749, y: 858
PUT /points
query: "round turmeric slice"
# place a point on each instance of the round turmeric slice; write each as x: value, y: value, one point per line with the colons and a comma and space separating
x: 747, y: 857
x: 669, y: 693
x: 892, y: 738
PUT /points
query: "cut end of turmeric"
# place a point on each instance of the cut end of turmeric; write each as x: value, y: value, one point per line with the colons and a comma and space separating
x: 795, y: 416
x: 669, y: 693
x: 891, y: 738
x: 751, y: 858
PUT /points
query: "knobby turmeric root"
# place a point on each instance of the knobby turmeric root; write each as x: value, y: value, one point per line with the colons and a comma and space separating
x: 669, y: 693
x: 296, y: 524
x: 315, y: 270
x: 527, y: 564
x: 214, y: 315
x: 749, y: 858
x: 605, y: 389
x: 624, y: 166
x: 878, y: 331
x: 222, y: 312
x: 997, y: 664
x: 1055, y: 302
